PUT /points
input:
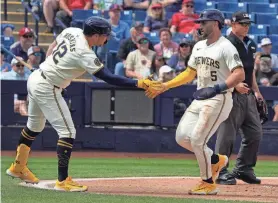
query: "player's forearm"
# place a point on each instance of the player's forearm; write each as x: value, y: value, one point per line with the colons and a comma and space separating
x: 235, y: 78
x: 184, y: 77
x: 255, y: 87
x: 105, y: 75
x: 50, y: 48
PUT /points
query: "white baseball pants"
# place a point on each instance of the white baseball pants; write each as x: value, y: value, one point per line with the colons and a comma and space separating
x: 199, y: 123
x: 46, y: 102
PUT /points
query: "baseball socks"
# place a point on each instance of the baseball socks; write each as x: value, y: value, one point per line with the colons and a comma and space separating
x: 214, y: 160
x: 64, y: 148
x: 22, y: 153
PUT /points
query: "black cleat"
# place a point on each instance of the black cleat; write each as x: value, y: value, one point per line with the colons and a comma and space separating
x: 226, y: 178
x: 248, y: 177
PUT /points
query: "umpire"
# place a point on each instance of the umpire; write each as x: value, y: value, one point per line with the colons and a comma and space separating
x: 244, y: 113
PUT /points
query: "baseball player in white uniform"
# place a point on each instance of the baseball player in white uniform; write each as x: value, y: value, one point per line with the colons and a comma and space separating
x: 218, y: 67
x: 68, y: 57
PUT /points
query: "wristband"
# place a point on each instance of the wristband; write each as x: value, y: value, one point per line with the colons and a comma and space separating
x: 220, y: 87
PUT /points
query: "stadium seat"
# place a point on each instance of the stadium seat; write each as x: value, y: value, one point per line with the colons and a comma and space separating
x: 177, y: 37
x: 111, y: 55
x: 274, y: 38
x: 199, y: 6
x: 258, y: 29
x: 169, y: 15
x: 7, y: 41
x: 273, y: 30
x: 275, y: 51
x: 255, y: 1
x: 254, y: 38
x: 274, y: 1
x: 140, y: 15
x: 153, y: 37
x: 79, y: 15
x: 267, y: 19
x: 262, y: 8
x: 231, y: 7
x: 226, y: 1
x: 127, y: 16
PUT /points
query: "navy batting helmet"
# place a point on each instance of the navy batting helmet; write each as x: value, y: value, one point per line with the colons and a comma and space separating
x: 96, y: 25
x: 212, y: 14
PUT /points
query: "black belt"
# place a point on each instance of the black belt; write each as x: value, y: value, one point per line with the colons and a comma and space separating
x: 42, y: 74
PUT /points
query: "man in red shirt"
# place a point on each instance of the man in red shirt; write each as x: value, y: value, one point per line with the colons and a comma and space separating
x: 66, y: 7
x: 183, y: 21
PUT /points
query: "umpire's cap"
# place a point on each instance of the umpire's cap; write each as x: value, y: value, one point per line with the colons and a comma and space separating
x: 212, y: 14
x: 96, y: 25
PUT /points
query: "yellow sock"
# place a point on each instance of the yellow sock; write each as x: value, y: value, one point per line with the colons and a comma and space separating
x: 22, y: 155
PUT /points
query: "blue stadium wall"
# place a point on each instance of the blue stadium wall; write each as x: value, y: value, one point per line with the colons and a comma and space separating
x: 108, y: 138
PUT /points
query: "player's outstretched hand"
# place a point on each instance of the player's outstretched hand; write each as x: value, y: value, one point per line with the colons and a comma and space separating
x: 144, y: 83
x: 155, y: 89
x: 205, y: 93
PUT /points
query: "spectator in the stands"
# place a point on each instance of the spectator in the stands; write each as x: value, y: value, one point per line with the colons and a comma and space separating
x: 34, y: 56
x: 183, y: 21
x: 155, y: 19
x: 166, y: 47
x: 138, y: 62
x: 120, y: 29
x: 66, y: 7
x: 266, y: 45
x: 49, y: 9
x: 178, y: 61
x: 136, y: 4
x: 166, y: 73
x: 7, y: 38
x: 7, y: 29
x: 5, y: 67
x: 128, y: 46
x: 157, y: 63
x: 263, y: 68
x: 26, y: 40
x: 18, y: 72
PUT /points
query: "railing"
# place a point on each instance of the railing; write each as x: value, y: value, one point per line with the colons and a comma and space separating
x: 35, y: 16
x: 5, y: 10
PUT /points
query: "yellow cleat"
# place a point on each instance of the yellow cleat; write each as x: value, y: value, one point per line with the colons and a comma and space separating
x: 216, y: 168
x: 23, y: 173
x: 70, y: 186
x: 204, y: 188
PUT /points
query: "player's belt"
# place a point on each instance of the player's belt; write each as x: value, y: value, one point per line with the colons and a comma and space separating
x: 42, y: 74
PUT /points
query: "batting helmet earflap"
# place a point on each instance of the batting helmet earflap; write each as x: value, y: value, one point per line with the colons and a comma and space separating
x: 212, y: 14
x: 96, y: 25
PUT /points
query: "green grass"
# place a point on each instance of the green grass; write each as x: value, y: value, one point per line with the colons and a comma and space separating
x: 46, y: 168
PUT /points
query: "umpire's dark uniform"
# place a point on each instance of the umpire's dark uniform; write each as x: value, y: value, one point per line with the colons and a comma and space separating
x: 244, y: 115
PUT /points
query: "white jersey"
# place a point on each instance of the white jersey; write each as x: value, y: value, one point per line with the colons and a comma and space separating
x: 215, y: 62
x: 71, y: 57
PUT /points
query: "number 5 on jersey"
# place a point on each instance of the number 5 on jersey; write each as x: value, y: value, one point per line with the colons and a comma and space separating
x: 59, y: 52
x: 213, y: 75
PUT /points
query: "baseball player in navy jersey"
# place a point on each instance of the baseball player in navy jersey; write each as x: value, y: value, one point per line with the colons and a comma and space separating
x: 218, y: 67
x: 68, y: 57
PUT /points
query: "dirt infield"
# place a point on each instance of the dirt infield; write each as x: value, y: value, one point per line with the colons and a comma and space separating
x: 178, y: 187
x: 168, y: 186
